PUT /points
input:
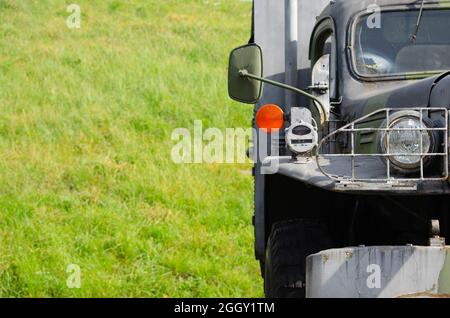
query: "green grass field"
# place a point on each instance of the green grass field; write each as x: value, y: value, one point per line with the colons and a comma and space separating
x: 86, y: 176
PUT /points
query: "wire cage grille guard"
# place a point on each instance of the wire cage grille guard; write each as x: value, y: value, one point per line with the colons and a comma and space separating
x: 352, y: 130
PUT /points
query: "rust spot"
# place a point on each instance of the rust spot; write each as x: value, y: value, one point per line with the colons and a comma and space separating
x: 348, y: 254
x: 325, y: 258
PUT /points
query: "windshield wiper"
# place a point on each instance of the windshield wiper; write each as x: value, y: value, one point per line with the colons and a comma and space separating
x: 419, y: 20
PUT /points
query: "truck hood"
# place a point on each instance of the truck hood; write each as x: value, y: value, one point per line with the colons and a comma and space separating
x: 430, y: 92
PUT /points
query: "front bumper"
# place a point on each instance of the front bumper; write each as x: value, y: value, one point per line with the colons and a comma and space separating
x: 308, y: 172
x: 379, y: 272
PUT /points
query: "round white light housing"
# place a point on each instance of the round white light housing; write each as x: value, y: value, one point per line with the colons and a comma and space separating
x: 405, y: 142
x: 301, y: 137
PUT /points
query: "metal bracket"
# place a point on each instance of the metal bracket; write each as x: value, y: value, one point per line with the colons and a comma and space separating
x: 319, y: 87
x: 436, y: 240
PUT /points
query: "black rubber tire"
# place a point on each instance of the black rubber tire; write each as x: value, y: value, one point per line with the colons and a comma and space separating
x: 288, y: 246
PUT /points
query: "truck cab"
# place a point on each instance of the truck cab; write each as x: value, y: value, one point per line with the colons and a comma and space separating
x: 352, y: 112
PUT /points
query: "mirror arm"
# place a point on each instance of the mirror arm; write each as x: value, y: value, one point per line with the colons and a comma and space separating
x: 321, y: 109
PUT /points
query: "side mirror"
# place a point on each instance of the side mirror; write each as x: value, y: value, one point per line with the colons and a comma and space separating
x: 242, y: 88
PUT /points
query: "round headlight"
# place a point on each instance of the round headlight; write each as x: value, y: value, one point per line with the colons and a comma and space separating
x: 405, y: 150
x: 407, y: 142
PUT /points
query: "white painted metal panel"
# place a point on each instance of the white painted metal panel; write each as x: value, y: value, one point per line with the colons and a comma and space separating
x: 375, y: 272
x: 270, y: 35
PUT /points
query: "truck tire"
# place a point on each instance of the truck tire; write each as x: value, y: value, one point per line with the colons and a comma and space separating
x: 290, y: 242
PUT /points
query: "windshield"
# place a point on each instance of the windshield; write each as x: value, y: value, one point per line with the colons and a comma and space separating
x: 387, y: 49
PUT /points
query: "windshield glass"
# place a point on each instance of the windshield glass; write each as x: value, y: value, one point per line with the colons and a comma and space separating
x: 388, y: 49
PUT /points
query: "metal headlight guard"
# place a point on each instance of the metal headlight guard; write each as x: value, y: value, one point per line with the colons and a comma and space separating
x: 400, y: 152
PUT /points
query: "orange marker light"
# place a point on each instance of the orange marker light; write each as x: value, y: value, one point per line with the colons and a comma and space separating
x: 270, y: 118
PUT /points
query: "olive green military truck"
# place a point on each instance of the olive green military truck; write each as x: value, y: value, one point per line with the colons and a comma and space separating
x: 351, y: 145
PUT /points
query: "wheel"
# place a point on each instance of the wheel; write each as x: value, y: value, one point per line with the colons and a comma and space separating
x: 289, y: 244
